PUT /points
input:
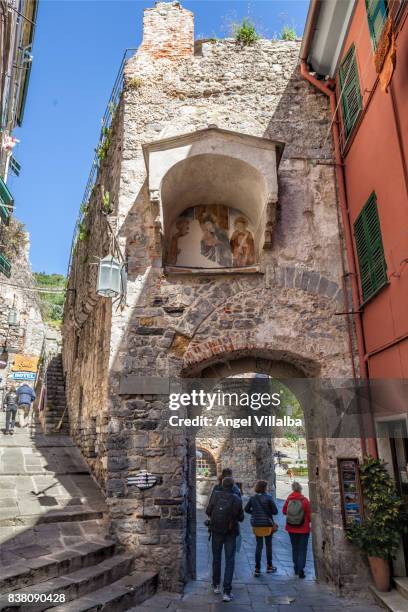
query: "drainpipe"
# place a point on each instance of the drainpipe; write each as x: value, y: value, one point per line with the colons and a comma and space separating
x: 367, y: 445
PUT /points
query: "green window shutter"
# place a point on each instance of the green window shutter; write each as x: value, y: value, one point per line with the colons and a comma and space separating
x: 350, y: 91
x: 5, y: 266
x: 6, y: 202
x: 376, y: 14
x: 370, y: 251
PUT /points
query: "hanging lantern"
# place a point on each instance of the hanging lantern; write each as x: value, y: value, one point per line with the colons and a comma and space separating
x: 109, y: 277
x: 13, y: 317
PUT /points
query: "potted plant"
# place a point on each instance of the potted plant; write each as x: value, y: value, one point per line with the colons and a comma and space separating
x: 384, y: 521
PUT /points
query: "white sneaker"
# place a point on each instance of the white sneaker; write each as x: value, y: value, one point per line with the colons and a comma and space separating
x: 217, y: 590
x: 227, y: 597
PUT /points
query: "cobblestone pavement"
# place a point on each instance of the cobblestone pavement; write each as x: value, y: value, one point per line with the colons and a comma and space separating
x: 280, y: 592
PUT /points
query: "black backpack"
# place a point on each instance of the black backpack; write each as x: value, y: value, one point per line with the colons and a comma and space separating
x: 222, y: 519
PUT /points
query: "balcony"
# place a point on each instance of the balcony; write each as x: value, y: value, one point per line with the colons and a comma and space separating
x: 5, y: 265
x: 6, y: 202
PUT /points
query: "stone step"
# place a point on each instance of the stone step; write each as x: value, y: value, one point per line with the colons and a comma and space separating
x: 75, y: 513
x: 120, y: 595
x: 75, y: 585
x: 391, y: 600
x: 401, y: 585
x: 33, y: 571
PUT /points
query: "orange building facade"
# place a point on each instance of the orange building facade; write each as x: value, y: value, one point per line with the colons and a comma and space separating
x: 356, y: 52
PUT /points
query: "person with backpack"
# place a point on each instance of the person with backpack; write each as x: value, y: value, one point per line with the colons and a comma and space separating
x: 225, y: 513
x: 297, y: 511
x: 10, y: 403
x: 227, y: 473
x: 262, y: 509
x: 25, y: 398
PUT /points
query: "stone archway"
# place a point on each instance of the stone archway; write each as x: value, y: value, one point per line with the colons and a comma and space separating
x: 231, y: 358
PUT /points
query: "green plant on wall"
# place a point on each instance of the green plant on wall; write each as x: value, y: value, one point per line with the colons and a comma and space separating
x: 135, y: 83
x: 103, y: 147
x: 288, y: 33
x: 245, y: 32
x: 83, y: 209
x: 379, y: 534
x: 106, y: 206
x: 83, y: 232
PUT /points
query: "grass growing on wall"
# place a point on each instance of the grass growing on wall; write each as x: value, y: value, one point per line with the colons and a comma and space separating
x: 245, y: 32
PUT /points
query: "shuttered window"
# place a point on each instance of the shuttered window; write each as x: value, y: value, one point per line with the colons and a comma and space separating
x: 376, y: 15
x: 370, y: 251
x: 350, y: 91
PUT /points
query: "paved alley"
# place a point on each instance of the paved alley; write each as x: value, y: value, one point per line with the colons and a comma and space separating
x: 280, y: 592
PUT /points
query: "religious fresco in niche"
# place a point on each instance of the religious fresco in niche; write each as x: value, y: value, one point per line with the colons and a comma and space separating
x: 211, y: 236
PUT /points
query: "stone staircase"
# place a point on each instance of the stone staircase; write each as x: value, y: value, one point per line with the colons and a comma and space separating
x: 55, y: 548
x: 395, y: 600
x: 55, y: 415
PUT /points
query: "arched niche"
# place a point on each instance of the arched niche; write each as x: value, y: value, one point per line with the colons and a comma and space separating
x: 213, y: 178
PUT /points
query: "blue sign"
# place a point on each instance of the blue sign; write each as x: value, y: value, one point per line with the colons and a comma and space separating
x: 23, y: 375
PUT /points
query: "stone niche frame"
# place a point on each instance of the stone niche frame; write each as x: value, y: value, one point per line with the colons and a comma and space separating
x: 211, y: 166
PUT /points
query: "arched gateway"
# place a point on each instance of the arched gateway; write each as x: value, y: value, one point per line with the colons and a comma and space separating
x: 235, y: 264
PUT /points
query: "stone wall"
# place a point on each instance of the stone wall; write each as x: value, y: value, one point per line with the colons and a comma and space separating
x: 27, y: 336
x: 249, y: 459
x: 283, y: 315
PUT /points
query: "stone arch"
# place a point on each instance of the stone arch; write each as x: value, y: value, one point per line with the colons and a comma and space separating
x: 209, y: 457
x: 232, y: 356
x: 233, y: 352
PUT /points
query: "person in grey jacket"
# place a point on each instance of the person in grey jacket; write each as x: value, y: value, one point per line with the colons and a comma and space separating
x: 10, y: 404
x: 262, y: 509
x: 26, y: 396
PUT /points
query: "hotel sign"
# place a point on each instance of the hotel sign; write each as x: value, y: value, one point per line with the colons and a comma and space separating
x: 23, y: 375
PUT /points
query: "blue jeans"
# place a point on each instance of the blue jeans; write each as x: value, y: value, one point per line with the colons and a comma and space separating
x: 228, y: 541
x: 299, y: 550
x: 10, y: 418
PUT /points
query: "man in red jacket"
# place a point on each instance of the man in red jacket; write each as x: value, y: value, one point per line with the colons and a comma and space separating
x: 297, y: 511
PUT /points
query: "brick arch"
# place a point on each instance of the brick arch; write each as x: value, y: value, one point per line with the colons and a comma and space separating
x: 201, y: 356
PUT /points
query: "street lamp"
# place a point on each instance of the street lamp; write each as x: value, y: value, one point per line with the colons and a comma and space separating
x: 13, y: 317
x: 109, y: 277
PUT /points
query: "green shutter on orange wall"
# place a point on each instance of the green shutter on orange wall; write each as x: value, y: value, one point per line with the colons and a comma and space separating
x: 350, y: 91
x: 370, y: 251
x: 376, y: 15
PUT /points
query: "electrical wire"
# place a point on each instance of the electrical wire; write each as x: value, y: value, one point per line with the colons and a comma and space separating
x: 37, y: 289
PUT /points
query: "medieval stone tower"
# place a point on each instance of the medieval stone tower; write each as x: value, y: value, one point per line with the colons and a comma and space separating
x: 222, y: 201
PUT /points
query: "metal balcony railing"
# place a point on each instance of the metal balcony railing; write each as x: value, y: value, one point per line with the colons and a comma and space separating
x: 106, y: 123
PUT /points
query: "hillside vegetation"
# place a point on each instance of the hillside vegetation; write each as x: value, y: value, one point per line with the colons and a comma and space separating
x: 52, y: 304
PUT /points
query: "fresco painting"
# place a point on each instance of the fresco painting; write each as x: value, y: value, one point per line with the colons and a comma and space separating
x: 211, y: 236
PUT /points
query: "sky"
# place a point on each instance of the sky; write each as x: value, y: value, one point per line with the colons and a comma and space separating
x: 77, y: 51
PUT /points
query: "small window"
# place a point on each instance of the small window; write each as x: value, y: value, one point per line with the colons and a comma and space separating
x: 376, y: 15
x: 350, y: 91
x: 370, y: 251
x: 205, y: 464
